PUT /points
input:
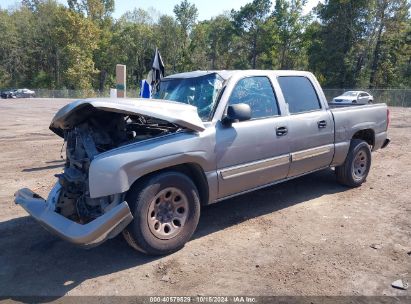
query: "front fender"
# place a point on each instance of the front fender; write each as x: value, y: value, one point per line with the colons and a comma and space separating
x: 115, y: 172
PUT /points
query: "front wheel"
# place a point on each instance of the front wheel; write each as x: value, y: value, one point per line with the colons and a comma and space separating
x: 354, y: 171
x: 166, y: 210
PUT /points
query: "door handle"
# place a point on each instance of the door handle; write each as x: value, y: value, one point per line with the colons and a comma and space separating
x: 322, y: 124
x: 281, y: 131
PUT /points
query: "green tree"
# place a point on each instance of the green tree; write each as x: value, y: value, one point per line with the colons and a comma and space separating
x: 343, y: 27
x: 94, y: 9
x: 220, y: 46
x: 186, y: 15
x: 134, y: 45
x: 289, y: 28
x: 31, y: 4
x: 11, y: 65
x: 171, y: 49
x: 77, y: 49
x: 391, y: 49
x: 100, y: 12
x: 351, y: 43
x: 197, y: 50
x: 249, y: 22
x: 138, y: 15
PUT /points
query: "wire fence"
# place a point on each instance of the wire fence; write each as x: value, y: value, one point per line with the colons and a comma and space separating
x: 44, y: 93
x: 392, y: 97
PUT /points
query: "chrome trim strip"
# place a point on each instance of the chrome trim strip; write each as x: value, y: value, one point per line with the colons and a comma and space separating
x: 255, y: 166
x: 268, y: 185
x: 300, y: 155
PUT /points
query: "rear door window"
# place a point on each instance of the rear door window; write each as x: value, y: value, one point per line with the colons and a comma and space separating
x: 299, y: 94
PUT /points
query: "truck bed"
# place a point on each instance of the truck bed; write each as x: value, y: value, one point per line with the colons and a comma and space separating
x: 351, y: 118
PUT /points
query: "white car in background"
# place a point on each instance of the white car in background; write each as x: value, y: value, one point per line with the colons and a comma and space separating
x: 24, y: 93
x: 359, y: 97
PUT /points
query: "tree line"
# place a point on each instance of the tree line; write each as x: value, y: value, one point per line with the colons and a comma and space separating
x: 345, y: 43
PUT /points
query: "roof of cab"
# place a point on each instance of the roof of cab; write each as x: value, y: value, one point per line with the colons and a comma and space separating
x: 226, y: 74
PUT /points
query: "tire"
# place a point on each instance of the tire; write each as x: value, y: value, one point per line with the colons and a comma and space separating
x: 354, y: 171
x: 166, y: 210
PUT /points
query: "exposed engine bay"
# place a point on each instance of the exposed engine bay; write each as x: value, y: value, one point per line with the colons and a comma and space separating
x: 100, y: 132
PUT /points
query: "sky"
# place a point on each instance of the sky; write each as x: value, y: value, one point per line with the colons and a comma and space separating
x: 206, y: 8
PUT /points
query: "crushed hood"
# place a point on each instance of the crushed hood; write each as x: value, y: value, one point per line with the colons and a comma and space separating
x: 181, y: 114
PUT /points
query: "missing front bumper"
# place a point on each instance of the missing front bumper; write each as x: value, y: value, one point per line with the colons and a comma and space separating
x: 97, y: 231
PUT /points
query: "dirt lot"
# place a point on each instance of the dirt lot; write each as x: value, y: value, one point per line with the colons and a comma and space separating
x: 309, y: 236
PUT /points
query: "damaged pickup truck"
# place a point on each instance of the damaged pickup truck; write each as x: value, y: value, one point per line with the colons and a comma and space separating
x: 144, y: 167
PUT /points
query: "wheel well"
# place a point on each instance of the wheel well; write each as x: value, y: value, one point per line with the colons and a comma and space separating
x: 367, y: 135
x: 194, y: 172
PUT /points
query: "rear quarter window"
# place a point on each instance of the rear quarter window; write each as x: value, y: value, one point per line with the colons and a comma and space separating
x: 299, y: 94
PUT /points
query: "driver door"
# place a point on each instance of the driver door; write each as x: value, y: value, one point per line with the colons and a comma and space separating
x: 252, y: 153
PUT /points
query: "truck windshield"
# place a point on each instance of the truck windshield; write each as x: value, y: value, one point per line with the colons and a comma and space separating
x: 201, y: 92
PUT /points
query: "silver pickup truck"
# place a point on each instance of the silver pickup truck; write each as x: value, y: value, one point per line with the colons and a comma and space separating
x: 144, y: 167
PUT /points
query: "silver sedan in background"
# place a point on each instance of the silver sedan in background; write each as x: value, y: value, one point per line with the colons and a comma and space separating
x: 359, y: 97
x: 24, y: 93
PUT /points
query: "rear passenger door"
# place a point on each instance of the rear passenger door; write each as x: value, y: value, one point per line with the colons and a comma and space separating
x: 311, y: 127
x: 363, y: 98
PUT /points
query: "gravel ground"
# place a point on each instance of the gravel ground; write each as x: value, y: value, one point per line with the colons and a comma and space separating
x: 308, y: 236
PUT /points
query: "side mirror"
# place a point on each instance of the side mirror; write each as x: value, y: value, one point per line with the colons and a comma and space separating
x: 237, y: 112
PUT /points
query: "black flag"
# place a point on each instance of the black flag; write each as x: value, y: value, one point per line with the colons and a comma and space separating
x: 157, y: 72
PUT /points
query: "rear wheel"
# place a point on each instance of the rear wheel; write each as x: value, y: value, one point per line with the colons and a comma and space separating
x: 166, y: 210
x: 354, y: 171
